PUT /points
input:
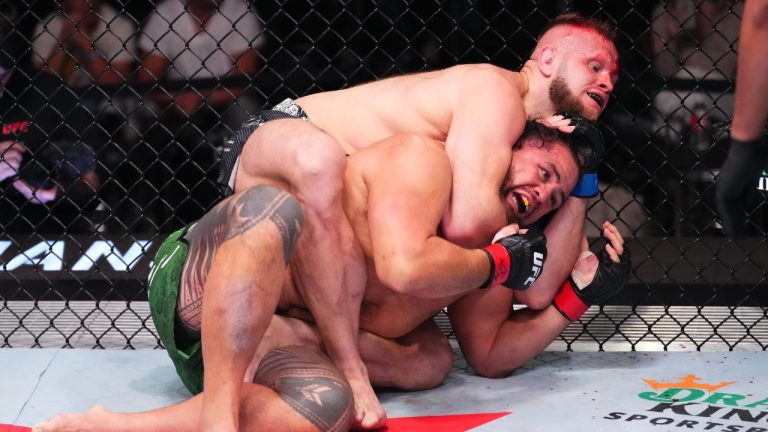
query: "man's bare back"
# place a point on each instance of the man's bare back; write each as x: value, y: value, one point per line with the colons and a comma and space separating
x: 421, y: 103
x: 383, y: 312
x: 374, y: 195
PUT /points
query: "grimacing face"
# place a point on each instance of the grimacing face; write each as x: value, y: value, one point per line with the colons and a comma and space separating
x: 586, y: 76
x: 564, y: 100
x: 539, y: 180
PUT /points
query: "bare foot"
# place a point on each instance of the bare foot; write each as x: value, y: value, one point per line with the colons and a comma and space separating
x: 95, y: 419
x: 369, y: 414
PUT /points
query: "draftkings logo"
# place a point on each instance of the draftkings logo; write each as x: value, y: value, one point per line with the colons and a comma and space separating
x: 762, y: 182
x: 690, y: 404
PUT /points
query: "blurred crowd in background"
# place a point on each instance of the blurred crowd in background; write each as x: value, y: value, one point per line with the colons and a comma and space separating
x: 113, y: 112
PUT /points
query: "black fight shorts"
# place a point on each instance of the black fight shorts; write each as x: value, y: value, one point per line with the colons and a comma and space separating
x: 230, y: 153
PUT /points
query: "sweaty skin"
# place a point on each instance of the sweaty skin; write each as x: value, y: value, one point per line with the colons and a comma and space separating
x: 478, y: 111
x: 395, y: 193
x: 384, y: 224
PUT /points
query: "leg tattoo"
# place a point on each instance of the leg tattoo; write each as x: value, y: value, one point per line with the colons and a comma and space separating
x: 310, y: 384
x: 229, y: 219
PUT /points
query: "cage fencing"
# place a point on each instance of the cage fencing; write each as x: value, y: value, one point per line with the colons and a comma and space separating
x: 122, y: 112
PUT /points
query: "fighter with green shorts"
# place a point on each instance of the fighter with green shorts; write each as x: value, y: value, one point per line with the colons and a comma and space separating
x: 250, y: 236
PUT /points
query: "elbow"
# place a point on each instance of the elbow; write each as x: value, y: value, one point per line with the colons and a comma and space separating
x: 487, y: 369
x: 534, y: 299
x: 401, y: 275
x: 467, y: 234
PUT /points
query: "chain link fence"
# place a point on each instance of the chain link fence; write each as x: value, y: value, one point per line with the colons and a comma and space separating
x: 129, y: 153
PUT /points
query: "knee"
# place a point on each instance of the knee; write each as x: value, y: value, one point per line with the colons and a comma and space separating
x: 430, y: 365
x: 319, y: 172
x: 310, y: 384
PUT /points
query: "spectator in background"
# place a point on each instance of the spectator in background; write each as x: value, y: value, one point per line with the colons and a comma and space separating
x: 183, y: 41
x: 44, y: 160
x: 83, y: 48
x: 695, y: 40
x: 51, y: 163
x: 84, y: 42
x: 11, y: 152
x: 199, y: 39
x: 15, y: 124
x: 694, y: 49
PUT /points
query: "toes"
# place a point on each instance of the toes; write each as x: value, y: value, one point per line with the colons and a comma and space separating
x: 374, y: 422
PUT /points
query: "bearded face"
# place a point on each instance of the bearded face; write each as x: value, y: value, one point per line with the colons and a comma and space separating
x: 563, y: 98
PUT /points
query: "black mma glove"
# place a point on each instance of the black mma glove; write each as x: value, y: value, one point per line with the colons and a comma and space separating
x: 746, y: 160
x: 516, y: 260
x: 590, y: 143
x: 610, y: 277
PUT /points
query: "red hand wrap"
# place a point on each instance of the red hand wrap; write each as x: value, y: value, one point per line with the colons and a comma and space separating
x: 568, y: 303
x: 499, y: 259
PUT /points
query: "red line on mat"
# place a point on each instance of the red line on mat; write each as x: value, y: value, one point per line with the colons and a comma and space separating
x: 12, y: 428
x: 444, y: 423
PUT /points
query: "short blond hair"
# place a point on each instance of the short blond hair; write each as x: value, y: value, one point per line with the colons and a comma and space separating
x: 601, y: 27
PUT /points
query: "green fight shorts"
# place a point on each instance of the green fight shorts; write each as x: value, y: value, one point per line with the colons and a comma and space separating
x: 164, y: 283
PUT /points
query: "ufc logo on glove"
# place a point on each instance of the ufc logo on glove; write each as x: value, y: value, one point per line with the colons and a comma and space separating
x: 538, y: 263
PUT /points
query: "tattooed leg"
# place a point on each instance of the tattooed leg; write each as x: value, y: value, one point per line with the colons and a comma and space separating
x: 298, y: 389
x: 231, y: 285
x: 310, y: 384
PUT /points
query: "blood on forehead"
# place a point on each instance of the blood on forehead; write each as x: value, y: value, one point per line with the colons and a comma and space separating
x: 612, y: 62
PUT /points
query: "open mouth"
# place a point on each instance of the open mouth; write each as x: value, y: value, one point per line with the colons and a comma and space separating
x: 522, y: 202
x: 596, y: 97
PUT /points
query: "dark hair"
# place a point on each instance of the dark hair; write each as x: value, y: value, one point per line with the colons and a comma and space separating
x: 603, y: 28
x: 581, y: 150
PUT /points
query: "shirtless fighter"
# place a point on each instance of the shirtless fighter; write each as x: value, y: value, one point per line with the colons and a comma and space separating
x: 476, y: 110
x: 395, y: 195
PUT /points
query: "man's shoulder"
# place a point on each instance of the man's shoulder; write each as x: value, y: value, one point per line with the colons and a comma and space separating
x: 480, y: 69
x: 484, y: 74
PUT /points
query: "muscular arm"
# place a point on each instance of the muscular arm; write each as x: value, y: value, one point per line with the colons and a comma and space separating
x: 408, y: 187
x: 479, y: 147
x: 494, y: 341
x: 565, y: 234
x: 751, y: 105
x: 489, y: 117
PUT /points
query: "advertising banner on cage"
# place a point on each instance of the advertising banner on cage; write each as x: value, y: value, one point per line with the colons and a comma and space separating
x: 85, y: 257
